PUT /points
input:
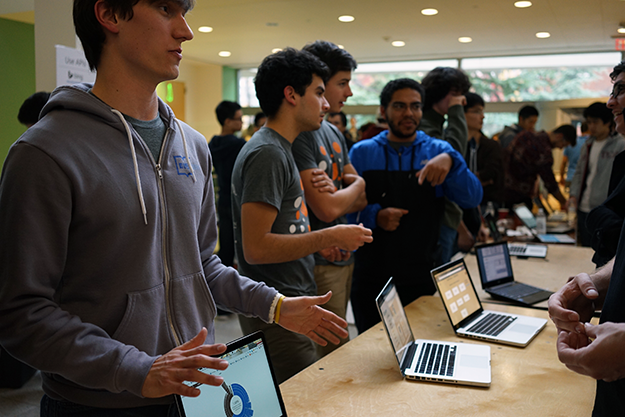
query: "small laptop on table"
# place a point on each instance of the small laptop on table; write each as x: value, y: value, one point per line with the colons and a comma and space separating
x: 429, y: 360
x: 249, y: 388
x: 469, y: 319
x: 493, y: 261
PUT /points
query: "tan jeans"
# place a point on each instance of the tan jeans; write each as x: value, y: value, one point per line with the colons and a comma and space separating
x: 338, y: 279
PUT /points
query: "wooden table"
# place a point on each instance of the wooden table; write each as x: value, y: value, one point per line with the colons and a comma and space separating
x: 550, y: 273
x: 362, y: 378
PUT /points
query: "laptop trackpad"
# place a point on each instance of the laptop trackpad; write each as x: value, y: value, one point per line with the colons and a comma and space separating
x: 522, y: 328
x: 473, y: 361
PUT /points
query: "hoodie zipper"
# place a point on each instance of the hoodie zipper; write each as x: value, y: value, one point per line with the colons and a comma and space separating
x: 168, y: 301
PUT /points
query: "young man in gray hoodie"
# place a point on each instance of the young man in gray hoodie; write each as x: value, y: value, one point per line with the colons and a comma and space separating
x: 109, y: 284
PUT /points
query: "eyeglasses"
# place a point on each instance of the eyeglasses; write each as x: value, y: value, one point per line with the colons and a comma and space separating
x: 400, y: 107
x: 618, y: 88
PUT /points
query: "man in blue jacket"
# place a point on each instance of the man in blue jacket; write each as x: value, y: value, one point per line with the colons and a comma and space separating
x: 407, y: 175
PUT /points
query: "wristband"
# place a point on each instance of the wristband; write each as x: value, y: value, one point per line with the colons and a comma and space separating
x: 277, y: 314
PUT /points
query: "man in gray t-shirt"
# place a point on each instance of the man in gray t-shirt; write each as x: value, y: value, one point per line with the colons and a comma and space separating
x: 273, y: 240
x: 331, y: 184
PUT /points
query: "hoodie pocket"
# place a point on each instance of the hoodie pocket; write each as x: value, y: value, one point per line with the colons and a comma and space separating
x: 145, y: 322
x: 194, y: 306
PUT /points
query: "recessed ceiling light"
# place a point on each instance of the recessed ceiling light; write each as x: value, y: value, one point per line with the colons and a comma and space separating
x: 543, y: 35
x: 465, y: 39
x: 225, y: 54
x: 346, y: 18
x: 274, y: 50
x: 621, y: 30
x: 205, y: 29
x: 429, y: 12
x: 398, y: 44
x: 341, y: 46
x: 522, y: 4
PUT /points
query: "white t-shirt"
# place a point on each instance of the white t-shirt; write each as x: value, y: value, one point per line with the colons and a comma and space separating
x: 593, y: 160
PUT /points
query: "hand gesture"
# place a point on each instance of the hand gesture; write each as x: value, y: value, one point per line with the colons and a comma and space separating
x: 304, y: 316
x: 350, y: 237
x: 181, y: 364
x: 573, y: 304
x: 322, y: 182
x: 597, y: 353
x: 389, y: 218
x: 334, y: 254
x: 436, y: 170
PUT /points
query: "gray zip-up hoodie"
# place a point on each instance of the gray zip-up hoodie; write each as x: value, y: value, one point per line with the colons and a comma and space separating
x: 107, y: 256
x: 598, y: 190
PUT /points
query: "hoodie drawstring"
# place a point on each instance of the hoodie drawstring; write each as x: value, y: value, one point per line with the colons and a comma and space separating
x: 135, y: 163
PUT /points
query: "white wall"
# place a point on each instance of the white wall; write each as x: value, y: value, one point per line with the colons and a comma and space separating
x: 203, y: 85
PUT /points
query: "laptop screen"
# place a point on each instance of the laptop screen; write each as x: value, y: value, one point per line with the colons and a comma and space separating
x: 457, y: 291
x: 494, y: 264
x: 249, y: 387
x: 525, y: 215
x: 395, y: 320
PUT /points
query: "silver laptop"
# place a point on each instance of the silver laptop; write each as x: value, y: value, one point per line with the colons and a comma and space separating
x: 429, y: 360
x: 527, y: 250
x: 469, y: 319
x: 555, y: 233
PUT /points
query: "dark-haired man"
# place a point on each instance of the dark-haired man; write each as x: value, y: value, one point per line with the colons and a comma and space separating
x: 528, y: 117
x: 443, y: 118
x: 273, y: 238
x: 589, y: 187
x: 108, y: 283
x: 340, y: 121
x: 597, y: 351
x: 322, y: 159
x: 407, y: 173
x: 224, y: 149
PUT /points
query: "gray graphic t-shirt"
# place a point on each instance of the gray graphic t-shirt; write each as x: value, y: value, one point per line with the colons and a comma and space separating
x: 324, y: 148
x: 265, y: 172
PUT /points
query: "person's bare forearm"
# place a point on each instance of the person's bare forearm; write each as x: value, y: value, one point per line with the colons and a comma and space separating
x: 279, y: 248
x: 329, y: 207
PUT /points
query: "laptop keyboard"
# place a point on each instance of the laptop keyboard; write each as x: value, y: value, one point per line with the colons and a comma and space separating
x: 492, y: 325
x: 437, y: 359
x: 516, y: 291
x: 517, y: 249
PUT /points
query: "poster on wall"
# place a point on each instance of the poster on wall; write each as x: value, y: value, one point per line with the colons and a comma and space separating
x: 72, y: 66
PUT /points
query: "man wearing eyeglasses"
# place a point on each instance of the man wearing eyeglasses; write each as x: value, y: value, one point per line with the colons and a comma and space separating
x: 408, y: 174
x: 597, y: 350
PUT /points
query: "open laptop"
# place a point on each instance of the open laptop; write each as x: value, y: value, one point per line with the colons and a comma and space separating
x: 493, y: 261
x: 555, y: 233
x: 428, y: 360
x: 249, y: 387
x: 469, y: 319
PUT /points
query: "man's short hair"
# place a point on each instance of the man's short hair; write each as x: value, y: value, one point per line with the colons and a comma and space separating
x: 226, y: 110
x: 31, y: 108
x: 258, y: 117
x: 288, y: 67
x: 335, y: 58
x: 617, y: 70
x: 528, y: 111
x: 341, y: 115
x: 568, y: 132
x: 89, y: 30
x: 440, y: 81
x: 599, y: 110
x: 473, y: 100
x: 399, y: 84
